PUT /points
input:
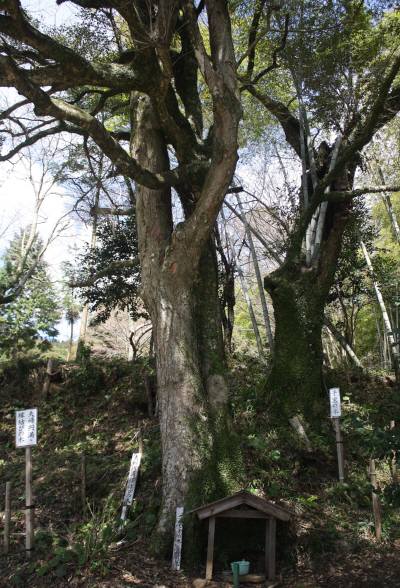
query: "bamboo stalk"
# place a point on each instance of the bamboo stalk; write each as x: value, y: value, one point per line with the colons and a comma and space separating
x: 389, y: 207
x: 342, y: 342
x: 393, y: 345
x: 246, y: 294
x: 316, y: 242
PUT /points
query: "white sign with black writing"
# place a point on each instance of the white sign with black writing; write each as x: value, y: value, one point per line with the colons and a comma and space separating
x: 177, y: 552
x: 26, y: 427
x: 131, y: 483
x: 334, y: 398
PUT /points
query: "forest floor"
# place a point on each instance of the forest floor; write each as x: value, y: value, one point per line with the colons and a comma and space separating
x: 96, y: 410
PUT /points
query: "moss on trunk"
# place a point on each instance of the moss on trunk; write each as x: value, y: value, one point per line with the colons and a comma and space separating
x: 295, y: 381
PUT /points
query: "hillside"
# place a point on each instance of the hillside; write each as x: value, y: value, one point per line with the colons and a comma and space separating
x: 96, y: 410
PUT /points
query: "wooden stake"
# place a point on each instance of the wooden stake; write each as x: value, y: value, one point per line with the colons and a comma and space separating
x: 7, y: 518
x: 339, y: 448
x: 131, y: 482
x: 47, y: 379
x: 376, y: 506
x: 210, y: 548
x: 271, y: 548
x: 83, y: 483
x: 29, y: 531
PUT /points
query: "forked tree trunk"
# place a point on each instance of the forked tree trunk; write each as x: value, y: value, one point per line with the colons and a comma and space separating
x: 299, y: 295
x: 186, y: 326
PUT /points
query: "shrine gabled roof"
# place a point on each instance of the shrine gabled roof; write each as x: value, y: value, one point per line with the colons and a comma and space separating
x: 242, y: 498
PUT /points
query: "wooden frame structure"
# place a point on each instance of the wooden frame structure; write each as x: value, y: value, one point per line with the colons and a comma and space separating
x: 244, y: 505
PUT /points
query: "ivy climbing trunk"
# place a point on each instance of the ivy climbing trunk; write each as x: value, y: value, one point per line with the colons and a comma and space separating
x: 295, y: 380
x: 299, y: 294
x: 209, y: 327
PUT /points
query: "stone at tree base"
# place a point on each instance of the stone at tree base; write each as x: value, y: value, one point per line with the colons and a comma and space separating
x: 199, y: 583
x: 203, y: 583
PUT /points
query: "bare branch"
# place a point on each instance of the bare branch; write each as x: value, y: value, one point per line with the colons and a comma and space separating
x: 31, y: 140
x: 57, y: 108
x: 288, y: 121
x: 277, y: 50
x: 263, y: 242
x: 337, y: 196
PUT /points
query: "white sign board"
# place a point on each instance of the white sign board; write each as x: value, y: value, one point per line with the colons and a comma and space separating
x: 176, y: 554
x: 26, y: 427
x: 131, y: 483
x: 334, y: 398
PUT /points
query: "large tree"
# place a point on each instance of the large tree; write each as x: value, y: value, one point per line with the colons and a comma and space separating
x: 31, y: 317
x: 155, y: 52
x: 333, y: 82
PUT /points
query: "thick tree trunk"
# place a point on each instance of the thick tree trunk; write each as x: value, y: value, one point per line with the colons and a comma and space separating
x: 180, y: 394
x: 183, y: 307
x: 299, y: 293
x: 209, y: 327
x: 295, y: 380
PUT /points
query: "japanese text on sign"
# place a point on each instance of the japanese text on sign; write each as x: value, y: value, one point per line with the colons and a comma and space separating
x: 176, y: 555
x: 334, y: 397
x: 131, y: 484
x: 26, y: 427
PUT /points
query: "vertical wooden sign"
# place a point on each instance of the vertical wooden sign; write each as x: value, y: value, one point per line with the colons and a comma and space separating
x: 131, y: 484
x: 26, y: 436
x: 177, y: 551
x: 336, y: 412
x: 376, y: 506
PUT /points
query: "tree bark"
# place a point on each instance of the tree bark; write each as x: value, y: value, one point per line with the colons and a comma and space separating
x: 299, y: 293
x: 186, y: 326
x: 209, y: 327
x: 71, y: 340
x: 295, y: 379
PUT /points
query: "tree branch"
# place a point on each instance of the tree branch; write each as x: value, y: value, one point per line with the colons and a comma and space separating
x: 57, y: 108
x: 75, y: 69
x: 277, y: 50
x: 337, y: 196
x: 31, y: 140
x: 263, y: 242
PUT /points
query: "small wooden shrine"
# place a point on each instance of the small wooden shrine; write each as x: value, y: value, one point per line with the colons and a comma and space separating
x: 244, y: 505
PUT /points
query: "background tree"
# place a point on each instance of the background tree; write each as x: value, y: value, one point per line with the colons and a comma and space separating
x: 31, y: 318
x: 343, y: 83
x: 108, y: 275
